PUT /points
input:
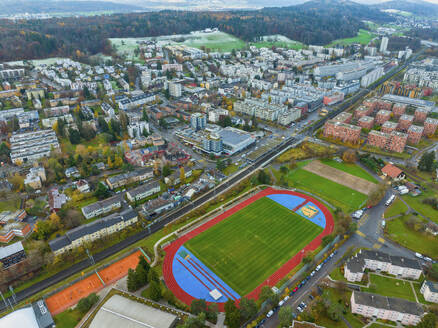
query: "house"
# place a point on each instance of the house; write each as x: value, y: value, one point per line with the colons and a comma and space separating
x: 14, y: 229
x: 12, y: 254
x: 35, y: 177
x: 393, y: 172
x: 143, y: 191
x: 89, y: 232
x: 102, y: 207
x: 386, y: 308
x: 72, y: 172
x: 378, y: 261
x: 56, y: 199
x: 123, y: 179
x: 82, y: 186
x: 429, y: 290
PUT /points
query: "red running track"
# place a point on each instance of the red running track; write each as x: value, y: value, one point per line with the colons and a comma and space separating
x: 270, y: 281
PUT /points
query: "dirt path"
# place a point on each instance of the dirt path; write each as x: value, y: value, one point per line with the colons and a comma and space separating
x: 341, y: 177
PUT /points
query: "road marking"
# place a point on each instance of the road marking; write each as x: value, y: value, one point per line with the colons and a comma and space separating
x: 381, y: 240
x: 363, y: 220
x: 360, y: 233
x: 377, y: 246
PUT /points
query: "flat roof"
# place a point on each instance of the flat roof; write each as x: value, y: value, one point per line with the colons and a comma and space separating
x: 119, y: 312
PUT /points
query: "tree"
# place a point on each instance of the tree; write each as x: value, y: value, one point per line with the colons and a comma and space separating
x: 327, y: 239
x: 232, y: 314
x: 182, y: 174
x: 285, y: 316
x: 248, y: 309
x: 87, y: 94
x: 198, y: 306
x: 132, y: 282
x: 263, y: 177
x: 153, y: 276
x: 307, y: 259
x: 166, y: 171
x: 428, y: 321
x: 74, y: 136
x: 427, y: 162
x: 155, y: 290
x: 145, y: 116
x: 284, y: 169
x: 220, y: 165
x: 86, y: 303
x: 142, y: 261
x: 101, y: 191
x: 349, y: 156
x: 194, y: 322
x: 266, y: 293
x: 377, y: 194
x: 103, y: 124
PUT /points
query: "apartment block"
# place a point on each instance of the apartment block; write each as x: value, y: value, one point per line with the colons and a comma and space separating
x: 102, y: 207
x: 143, y: 191
x: 429, y: 290
x: 123, y: 179
x: 371, y: 103
x: 14, y: 229
x: 31, y: 146
x: 366, y: 122
x: 378, y: 139
x: 12, y: 254
x: 430, y: 126
x: 342, y: 131
x: 89, y: 232
x: 399, y: 109
x: 420, y: 114
x: 384, y: 104
x: 386, y: 308
x: 405, y: 122
x: 362, y: 111
x: 415, y: 133
x: 343, y: 117
x: 381, y: 262
x: 382, y: 116
x: 397, y: 142
x: 388, y: 127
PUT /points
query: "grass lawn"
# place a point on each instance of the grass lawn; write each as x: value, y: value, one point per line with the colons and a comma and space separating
x: 362, y: 37
x: 417, y: 287
x: 9, y: 205
x: 230, y: 169
x: 68, y: 319
x: 377, y: 325
x: 397, y: 231
x: 389, y: 287
x: 249, y: 246
x: 352, y: 169
x: 417, y: 204
x: 347, y: 199
x: 397, y: 207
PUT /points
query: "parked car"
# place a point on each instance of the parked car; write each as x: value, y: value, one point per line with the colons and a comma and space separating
x: 269, y: 314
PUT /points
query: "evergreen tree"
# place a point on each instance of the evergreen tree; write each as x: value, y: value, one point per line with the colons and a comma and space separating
x: 132, y: 281
x: 155, y: 290
x: 153, y: 276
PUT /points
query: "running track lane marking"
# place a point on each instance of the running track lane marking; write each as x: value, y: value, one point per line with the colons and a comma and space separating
x: 214, y: 282
x: 194, y: 275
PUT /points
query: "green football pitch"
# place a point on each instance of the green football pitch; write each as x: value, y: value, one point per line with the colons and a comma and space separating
x: 250, y: 245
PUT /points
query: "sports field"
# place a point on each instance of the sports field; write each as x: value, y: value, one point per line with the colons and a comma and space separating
x: 251, y: 244
x: 362, y: 37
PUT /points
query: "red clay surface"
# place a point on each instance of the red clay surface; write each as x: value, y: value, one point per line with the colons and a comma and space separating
x: 172, y: 248
x: 68, y: 297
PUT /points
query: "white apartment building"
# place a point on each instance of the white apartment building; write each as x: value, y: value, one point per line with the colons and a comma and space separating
x: 429, y: 290
x: 379, y: 261
x: 175, y: 89
x: 102, y: 207
x: 386, y: 308
x: 143, y: 191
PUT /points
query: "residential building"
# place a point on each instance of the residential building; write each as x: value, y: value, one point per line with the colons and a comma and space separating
x: 397, y: 142
x: 415, y: 133
x: 102, y: 207
x: 420, y: 114
x: 386, y: 308
x: 138, y: 129
x: 399, y: 109
x: 82, y: 186
x: 384, y: 44
x: 175, y: 89
x: 429, y: 289
x: 130, y: 177
x: 89, y: 232
x: 378, y: 261
x: 213, y: 144
x: 366, y: 122
x: 35, y: 177
x: 342, y: 131
x: 143, y: 191
x: 382, y: 116
x: 362, y: 111
x: 430, y: 126
x: 405, y: 122
x: 198, y: 121
x: 56, y: 199
x: 12, y: 254
x: 14, y: 229
x: 31, y: 146
x: 388, y: 127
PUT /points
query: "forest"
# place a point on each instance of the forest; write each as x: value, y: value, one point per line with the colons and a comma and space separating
x: 315, y: 22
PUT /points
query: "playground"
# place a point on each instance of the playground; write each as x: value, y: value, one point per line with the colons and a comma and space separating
x: 253, y: 244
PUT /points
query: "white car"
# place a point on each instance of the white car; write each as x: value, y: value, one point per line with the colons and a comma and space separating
x: 270, y: 313
x: 281, y: 303
x: 286, y: 298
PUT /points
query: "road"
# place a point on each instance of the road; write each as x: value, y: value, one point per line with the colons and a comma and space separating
x: 157, y: 225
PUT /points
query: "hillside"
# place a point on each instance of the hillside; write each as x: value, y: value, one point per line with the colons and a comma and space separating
x: 416, y: 7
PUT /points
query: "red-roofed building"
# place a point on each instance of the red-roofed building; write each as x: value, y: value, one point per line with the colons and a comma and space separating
x: 393, y: 172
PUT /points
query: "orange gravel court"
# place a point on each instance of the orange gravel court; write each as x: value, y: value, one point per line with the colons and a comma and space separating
x: 71, y: 295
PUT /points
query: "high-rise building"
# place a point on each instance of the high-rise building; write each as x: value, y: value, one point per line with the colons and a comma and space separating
x: 384, y: 44
x: 198, y: 121
x: 213, y: 144
x: 175, y: 89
